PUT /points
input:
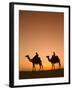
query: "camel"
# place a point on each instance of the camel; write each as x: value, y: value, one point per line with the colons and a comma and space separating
x: 54, y: 61
x: 35, y: 60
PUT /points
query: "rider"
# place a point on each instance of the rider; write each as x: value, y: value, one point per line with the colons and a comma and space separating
x: 36, y: 56
x: 53, y: 56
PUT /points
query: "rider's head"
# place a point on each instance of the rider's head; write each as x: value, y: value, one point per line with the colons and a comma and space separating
x: 54, y: 53
x: 36, y: 53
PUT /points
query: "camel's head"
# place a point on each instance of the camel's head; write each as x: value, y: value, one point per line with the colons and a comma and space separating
x: 47, y: 56
x: 27, y: 56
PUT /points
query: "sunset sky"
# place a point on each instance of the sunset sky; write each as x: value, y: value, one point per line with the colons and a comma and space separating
x: 41, y: 32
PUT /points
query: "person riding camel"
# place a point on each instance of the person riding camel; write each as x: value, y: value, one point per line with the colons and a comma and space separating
x: 53, y: 56
x: 36, y: 56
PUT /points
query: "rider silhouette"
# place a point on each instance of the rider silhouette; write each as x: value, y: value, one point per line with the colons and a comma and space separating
x: 53, y: 56
x: 36, y: 56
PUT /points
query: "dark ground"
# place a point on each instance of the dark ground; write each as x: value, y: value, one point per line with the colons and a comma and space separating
x: 41, y: 74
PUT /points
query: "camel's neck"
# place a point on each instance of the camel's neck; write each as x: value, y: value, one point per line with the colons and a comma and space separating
x: 29, y: 59
x: 49, y: 59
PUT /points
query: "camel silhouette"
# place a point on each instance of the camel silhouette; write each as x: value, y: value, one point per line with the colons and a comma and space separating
x: 54, y: 61
x: 35, y: 60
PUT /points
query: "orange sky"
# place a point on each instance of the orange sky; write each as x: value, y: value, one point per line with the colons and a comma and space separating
x: 41, y: 32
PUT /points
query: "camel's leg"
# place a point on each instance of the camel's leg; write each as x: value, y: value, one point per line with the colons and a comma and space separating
x: 52, y: 66
x: 42, y: 67
x: 33, y: 67
x: 59, y: 65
